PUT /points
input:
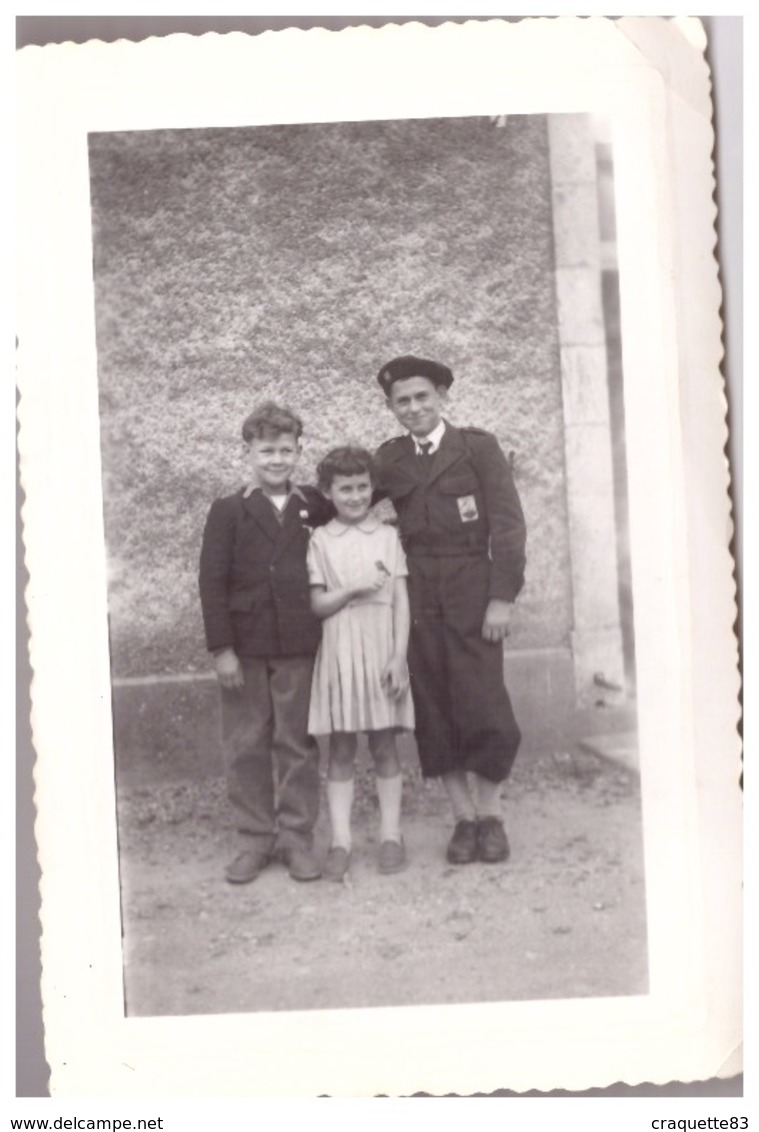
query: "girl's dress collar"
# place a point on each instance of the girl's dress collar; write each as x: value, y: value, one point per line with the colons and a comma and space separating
x: 367, y: 526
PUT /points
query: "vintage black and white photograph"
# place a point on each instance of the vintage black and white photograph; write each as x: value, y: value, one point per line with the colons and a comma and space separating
x: 372, y: 442
x: 283, y: 314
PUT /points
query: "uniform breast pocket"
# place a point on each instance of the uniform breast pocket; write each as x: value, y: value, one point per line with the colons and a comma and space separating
x: 461, y: 499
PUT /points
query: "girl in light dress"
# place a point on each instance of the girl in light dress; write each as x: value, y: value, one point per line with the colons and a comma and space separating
x: 357, y: 570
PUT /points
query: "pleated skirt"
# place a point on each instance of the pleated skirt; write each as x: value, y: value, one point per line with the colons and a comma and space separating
x: 347, y: 692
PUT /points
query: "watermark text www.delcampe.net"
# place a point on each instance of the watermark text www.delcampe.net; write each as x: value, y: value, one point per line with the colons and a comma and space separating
x: 81, y: 1124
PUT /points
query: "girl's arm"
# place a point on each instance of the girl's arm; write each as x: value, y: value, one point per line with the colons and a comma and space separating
x: 325, y: 602
x: 395, y: 675
x: 401, y: 619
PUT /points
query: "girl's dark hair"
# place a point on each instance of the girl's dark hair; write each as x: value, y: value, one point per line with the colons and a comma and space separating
x: 269, y: 419
x: 346, y: 461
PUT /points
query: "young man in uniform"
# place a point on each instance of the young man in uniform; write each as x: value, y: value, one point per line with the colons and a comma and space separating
x: 463, y: 531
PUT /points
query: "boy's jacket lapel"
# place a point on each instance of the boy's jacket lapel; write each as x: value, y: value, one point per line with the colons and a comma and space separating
x: 451, y: 450
x: 291, y: 523
x: 300, y: 512
x: 257, y: 505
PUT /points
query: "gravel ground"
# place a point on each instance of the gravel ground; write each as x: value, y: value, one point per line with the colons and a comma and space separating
x: 565, y: 917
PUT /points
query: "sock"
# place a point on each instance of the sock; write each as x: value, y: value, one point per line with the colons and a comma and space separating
x: 461, y: 801
x: 389, y: 791
x: 488, y: 797
x: 340, y: 802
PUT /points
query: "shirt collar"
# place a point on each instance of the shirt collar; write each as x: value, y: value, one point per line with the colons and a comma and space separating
x: 367, y: 526
x: 292, y: 489
x: 433, y: 437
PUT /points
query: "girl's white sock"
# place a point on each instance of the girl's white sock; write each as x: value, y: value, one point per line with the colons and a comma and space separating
x: 389, y: 791
x: 340, y: 803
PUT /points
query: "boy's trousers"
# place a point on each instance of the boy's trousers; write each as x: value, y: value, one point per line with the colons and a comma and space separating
x: 271, y: 763
x: 464, y: 718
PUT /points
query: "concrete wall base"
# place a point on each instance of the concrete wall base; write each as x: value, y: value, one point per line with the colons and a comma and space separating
x: 168, y: 728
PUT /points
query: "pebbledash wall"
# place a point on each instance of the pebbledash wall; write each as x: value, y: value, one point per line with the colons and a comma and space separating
x: 291, y: 262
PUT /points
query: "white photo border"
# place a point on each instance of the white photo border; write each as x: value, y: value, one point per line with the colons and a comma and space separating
x: 658, y: 90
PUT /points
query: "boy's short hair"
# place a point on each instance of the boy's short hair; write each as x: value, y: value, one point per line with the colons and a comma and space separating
x: 349, y: 460
x: 270, y: 418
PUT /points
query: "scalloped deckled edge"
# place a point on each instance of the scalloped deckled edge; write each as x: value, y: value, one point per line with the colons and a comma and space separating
x: 720, y: 614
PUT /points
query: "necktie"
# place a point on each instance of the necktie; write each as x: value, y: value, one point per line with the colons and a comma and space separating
x: 425, y: 449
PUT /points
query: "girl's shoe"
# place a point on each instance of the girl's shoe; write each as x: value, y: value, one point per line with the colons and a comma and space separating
x: 392, y: 857
x: 337, y: 863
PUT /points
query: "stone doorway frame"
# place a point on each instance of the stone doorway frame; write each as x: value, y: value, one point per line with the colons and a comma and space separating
x: 581, y: 256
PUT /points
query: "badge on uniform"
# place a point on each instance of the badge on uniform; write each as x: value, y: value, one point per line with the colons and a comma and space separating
x: 467, y: 508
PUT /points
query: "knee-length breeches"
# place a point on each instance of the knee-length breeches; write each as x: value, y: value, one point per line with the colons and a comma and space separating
x: 464, y: 718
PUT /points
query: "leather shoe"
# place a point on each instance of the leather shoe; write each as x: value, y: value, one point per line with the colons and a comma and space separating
x: 493, y: 844
x: 337, y: 863
x: 462, y: 848
x: 392, y: 857
x: 246, y: 866
x: 301, y: 863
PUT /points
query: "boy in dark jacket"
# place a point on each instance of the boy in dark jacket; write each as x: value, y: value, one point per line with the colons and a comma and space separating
x: 254, y: 593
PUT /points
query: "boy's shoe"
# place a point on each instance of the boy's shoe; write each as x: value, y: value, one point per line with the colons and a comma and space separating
x: 493, y: 844
x: 392, y: 857
x: 246, y: 866
x: 301, y: 863
x: 337, y: 863
x: 463, y: 846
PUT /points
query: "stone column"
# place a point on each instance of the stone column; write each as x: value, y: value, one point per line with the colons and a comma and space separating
x: 596, y: 635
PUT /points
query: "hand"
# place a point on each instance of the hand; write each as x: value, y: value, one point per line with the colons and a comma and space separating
x: 229, y: 669
x: 497, y: 623
x: 370, y: 581
x: 394, y: 678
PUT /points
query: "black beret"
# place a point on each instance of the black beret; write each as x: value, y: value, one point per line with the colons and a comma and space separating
x: 409, y: 366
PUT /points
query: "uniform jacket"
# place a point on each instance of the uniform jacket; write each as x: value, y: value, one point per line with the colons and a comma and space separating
x: 254, y: 589
x: 465, y: 502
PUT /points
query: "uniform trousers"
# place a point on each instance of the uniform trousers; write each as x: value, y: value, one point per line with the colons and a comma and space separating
x: 271, y: 763
x: 464, y: 717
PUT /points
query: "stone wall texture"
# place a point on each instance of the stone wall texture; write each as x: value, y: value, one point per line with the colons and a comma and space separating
x: 291, y: 262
